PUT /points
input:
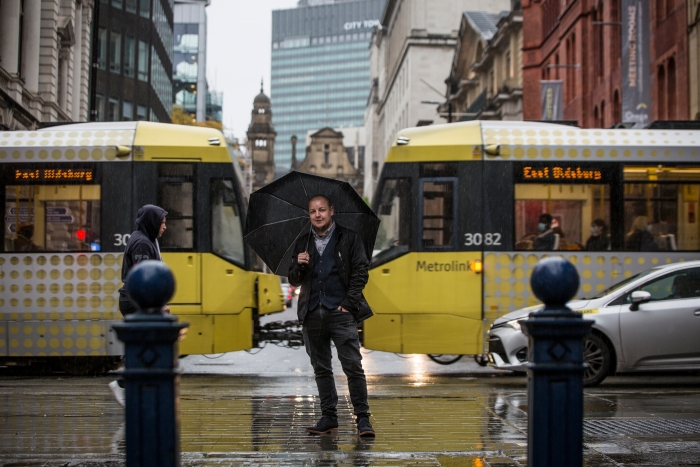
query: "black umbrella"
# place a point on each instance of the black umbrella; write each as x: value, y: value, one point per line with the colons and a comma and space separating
x: 278, y: 215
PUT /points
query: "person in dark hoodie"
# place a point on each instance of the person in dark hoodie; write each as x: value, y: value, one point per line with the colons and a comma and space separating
x: 142, y: 246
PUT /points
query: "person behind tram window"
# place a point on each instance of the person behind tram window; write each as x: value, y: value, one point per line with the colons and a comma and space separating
x: 599, y: 240
x: 547, y: 239
x: 639, y: 237
x: 23, y: 240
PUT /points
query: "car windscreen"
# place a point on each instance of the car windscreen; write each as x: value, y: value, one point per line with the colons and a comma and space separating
x: 621, y: 284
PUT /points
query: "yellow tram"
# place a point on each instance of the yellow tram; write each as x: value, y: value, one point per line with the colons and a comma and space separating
x: 71, y: 194
x: 459, y: 207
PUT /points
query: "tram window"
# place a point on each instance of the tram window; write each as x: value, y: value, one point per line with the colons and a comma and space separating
x: 52, y: 218
x: 227, y: 234
x: 438, y: 213
x: 661, y: 208
x: 394, y: 212
x: 562, y: 217
x: 176, y: 195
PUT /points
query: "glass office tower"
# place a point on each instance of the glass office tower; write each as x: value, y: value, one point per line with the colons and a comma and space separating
x: 320, y: 68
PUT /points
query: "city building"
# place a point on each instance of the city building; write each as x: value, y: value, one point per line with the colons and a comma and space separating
x: 582, y: 44
x: 44, y: 62
x: 320, y: 67
x: 327, y: 156
x: 132, y: 61
x: 693, y: 18
x: 261, y: 142
x: 411, y: 56
x: 190, y: 62
x: 486, y: 81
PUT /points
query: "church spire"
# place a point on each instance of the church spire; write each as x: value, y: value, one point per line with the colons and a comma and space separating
x: 261, y: 86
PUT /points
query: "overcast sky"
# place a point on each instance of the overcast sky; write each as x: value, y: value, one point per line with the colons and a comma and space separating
x: 238, y: 56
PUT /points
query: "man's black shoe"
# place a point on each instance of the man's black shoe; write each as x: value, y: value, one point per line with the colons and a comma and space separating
x: 364, y: 427
x: 325, y: 425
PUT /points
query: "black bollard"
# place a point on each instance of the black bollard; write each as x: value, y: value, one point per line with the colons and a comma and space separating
x: 150, y: 369
x: 555, y: 371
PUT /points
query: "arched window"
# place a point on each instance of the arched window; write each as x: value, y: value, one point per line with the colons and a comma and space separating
x: 602, y: 114
x: 261, y: 110
x: 617, y: 107
x: 596, y: 117
x: 615, y: 50
x: 598, y: 50
x: 671, y: 111
x: 661, y: 92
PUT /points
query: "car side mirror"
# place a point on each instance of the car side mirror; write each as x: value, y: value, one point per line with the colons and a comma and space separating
x: 639, y: 297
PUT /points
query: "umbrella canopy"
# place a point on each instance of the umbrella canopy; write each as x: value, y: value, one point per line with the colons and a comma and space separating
x: 278, y: 215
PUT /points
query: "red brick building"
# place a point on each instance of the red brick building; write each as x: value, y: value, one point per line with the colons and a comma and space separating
x: 560, y: 41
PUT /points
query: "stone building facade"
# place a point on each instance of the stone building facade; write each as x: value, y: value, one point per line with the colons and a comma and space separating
x: 486, y: 81
x: 693, y: 18
x: 44, y: 62
x: 409, y: 55
x: 561, y: 42
x: 327, y: 156
x: 261, y: 141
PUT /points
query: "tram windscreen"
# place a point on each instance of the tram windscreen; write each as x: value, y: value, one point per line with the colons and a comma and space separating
x: 227, y: 234
x: 394, y: 211
x: 52, y: 218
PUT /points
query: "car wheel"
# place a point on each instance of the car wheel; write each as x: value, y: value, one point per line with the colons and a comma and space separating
x: 596, y: 353
x: 444, y: 359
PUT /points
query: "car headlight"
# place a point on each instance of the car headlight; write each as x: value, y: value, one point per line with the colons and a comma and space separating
x: 296, y: 291
x: 513, y: 324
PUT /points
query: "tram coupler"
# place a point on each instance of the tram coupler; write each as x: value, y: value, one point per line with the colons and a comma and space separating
x: 285, y: 333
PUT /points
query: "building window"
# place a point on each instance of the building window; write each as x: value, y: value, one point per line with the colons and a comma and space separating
x: 145, y: 8
x: 129, y: 56
x: 617, y: 107
x: 115, y: 52
x: 117, y: 4
x: 326, y: 154
x: 141, y: 112
x: 113, y: 110
x: 671, y: 76
x: 143, y: 61
x: 102, y: 49
x: 99, y: 108
x: 127, y: 111
x: 509, y: 65
x: 661, y: 92
x: 131, y: 6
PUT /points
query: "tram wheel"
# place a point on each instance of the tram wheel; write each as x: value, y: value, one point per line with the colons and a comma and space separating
x: 596, y: 353
x: 82, y: 366
x: 444, y: 359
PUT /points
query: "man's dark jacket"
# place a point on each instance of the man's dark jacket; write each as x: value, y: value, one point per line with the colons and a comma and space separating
x: 352, y: 264
x: 142, y: 242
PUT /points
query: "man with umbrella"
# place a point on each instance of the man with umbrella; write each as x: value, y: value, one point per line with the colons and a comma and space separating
x: 330, y: 264
x: 323, y: 247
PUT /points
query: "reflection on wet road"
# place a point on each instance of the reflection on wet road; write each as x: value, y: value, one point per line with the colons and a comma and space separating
x: 421, y: 419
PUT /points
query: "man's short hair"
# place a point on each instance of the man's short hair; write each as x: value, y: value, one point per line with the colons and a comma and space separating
x: 328, y: 200
x: 546, y: 218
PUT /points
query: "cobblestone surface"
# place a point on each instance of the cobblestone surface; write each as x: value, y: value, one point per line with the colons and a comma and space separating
x: 421, y: 420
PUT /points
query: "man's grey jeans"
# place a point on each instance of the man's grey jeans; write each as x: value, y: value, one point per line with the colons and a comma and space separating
x: 320, y: 327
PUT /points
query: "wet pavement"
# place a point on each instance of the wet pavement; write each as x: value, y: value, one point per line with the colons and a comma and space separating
x: 244, y: 409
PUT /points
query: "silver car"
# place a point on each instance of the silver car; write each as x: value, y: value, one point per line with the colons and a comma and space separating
x: 647, y: 322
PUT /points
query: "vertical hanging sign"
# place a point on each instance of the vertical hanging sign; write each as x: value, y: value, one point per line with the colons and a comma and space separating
x: 636, y: 68
x: 552, y: 100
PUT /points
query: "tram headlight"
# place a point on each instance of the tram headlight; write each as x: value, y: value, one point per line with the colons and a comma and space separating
x: 476, y: 266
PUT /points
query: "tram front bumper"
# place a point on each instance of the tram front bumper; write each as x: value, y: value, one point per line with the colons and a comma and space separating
x: 507, y: 349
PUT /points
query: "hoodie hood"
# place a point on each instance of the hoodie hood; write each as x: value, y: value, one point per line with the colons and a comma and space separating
x: 148, y: 220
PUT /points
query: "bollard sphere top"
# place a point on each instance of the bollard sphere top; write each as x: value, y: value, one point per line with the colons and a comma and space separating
x: 555, y: 281
x: 150, y: 285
